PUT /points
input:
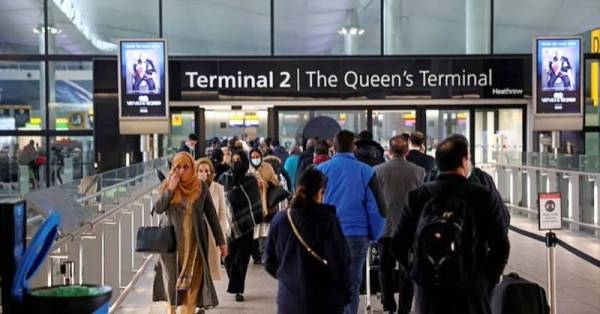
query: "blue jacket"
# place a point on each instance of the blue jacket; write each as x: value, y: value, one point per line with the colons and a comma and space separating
x: 348, y: 190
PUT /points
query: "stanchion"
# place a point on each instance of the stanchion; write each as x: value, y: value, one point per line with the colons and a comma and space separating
x: 551, y: 241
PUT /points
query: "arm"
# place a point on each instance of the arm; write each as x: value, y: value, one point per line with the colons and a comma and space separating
x: 224, y: 215
x: 270, y: 254
x: 162, y: 204
x: 378, y: 194
x: 211, y: 216
x: 404, y: 235
x: 270, y: 175
x: 497, y: 239
x: 375, y: 220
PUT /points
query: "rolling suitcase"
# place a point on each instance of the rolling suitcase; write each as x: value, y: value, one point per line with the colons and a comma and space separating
x: 516, y: 295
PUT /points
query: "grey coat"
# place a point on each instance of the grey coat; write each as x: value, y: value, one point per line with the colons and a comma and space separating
x: 396, y: 178
x: 166, y: 267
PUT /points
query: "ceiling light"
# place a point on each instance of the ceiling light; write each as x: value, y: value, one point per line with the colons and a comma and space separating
x: 51, y: 30
x: 351, y: 30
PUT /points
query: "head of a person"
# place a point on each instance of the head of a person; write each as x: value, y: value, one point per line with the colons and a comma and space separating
x: 295, y: 150
x: 205, y: 170
x: 191, y: 140
x: 417, y: 139
x: 343, y: 142
x: 452, y: 155
x: 268, y: 141
x: 31, y: 142
x: 216, y: 156
x: 239, y: 163
x: 311, y: 142
x: 310, y: 189
x: 398, y: 146
x: 275, y: 143
x: 256, y: 158
x: 226, y: 154
x: 322, y: 148
x: 365, y: 135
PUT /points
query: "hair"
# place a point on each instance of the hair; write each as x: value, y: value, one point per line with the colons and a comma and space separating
x: 365, y: 135
x: 417, y: 138
x: 268, y: 141
x: 310, y: 182
x: 193, y: 137
x: 398, y: 146
x: 344, y: 141
x: 275, y: 143
x: 216, y: 156
x: 211, y: 166
x: 405, y: 136
x: 310, y: 142
x: 322, y: 148
x: 295, y: 150
x: 450, y: 153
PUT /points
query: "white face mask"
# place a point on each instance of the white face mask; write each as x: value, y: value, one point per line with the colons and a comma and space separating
x: 255, y: 161
x: 203, y: 176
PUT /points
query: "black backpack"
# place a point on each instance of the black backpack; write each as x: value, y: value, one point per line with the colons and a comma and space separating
x: 444, y: 249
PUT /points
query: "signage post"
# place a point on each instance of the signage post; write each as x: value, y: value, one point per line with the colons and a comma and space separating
x: 550, y: 218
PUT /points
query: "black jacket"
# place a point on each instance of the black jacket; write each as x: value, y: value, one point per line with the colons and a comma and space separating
x: 369, y: 152
x: 422, y: 160
x: 305, y: 284
x: 306, y: 159
x: 492, y: 233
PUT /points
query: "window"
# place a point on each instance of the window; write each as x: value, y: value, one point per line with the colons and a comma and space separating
x: 20, y: 22
x: 71, y: 103
x: 217, y: 27
x: 21, y: 96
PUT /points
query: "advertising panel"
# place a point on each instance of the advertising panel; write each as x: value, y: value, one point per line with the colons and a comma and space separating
x: 557, y: 75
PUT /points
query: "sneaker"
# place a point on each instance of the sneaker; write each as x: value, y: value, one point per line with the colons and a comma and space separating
x: 239, y: 297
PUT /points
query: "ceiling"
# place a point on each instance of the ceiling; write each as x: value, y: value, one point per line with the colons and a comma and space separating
x: 309, y: 27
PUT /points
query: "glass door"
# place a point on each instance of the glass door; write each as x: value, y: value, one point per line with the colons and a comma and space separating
x: 442, y: 123
x: 389, y: 123
x: 497, y: 131
x: 183, y: 123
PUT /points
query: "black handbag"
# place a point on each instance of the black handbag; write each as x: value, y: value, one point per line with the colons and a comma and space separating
x: 275, y: 195
x: 159, y: 239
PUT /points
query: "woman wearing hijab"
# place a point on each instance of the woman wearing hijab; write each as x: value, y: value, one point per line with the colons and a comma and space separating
x: 315, y: 281
x: 267, y: 177
x: 243, y: 195
x: 206, y: 173
x: 183, y: 278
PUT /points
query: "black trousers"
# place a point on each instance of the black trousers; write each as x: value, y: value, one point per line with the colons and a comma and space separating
x: 390, y: 284
x: 236, y: 263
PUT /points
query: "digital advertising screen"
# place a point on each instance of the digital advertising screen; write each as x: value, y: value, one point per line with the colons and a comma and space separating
x: 558, y: 75
x: 143, y: 78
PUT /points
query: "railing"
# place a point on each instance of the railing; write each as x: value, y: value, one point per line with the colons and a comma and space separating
x: 521, y: 176
x: 114, y: 205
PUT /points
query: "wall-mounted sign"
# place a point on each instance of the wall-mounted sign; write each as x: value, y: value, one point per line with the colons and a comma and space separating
x: 558, y: 75
x: 549, y: 211
x: 143, y: 88
x: 438, y: 77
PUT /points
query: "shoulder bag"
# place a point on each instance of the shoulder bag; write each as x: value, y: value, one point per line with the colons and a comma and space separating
x: 156, y: 239
x: 301, y: 240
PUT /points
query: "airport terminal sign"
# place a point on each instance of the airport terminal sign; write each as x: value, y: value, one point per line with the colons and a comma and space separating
x: 483, y: 77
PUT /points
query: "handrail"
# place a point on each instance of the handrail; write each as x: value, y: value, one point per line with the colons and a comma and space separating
x: 591, y: 174
x: 569, y: 220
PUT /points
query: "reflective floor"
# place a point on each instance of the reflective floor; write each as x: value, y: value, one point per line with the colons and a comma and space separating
x: 578, y: 282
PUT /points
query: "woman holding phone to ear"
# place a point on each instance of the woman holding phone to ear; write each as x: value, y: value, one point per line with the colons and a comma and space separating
x: 183, y: 278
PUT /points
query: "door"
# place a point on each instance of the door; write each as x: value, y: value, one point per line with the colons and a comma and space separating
x: 498, y: 131
x: 441, y: 123
x: 184, y: 121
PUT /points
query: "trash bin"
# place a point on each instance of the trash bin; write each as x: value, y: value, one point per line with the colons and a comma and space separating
x: 72, y: 299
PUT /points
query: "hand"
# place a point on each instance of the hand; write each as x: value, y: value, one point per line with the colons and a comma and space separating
x: 224, y: 250
x: 173, y: 181
x: 260, y: 182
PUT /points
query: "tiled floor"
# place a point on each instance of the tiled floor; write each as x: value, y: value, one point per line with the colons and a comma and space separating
x: 578, y: 282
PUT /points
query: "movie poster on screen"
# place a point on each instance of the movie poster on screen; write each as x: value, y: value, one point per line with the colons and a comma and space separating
x: 143, y: 79
x: 558, y: 75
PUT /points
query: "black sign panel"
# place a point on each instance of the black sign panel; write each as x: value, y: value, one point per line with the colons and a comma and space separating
x: 484, y: 77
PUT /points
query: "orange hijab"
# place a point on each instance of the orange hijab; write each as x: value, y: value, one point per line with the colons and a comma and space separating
x: 189, y: 185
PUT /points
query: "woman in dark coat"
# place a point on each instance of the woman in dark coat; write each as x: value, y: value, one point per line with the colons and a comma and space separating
x: 183, y: 278
x: 242, y: 193
x: 309, y: 282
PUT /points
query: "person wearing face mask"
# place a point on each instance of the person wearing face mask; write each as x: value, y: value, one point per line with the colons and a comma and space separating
x: 266, y: 177
x: 183, y: 278
x: 206, y: 173
x: 315, y: 281
x: 242, y: 193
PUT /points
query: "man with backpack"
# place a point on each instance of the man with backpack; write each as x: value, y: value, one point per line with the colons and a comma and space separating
x: 456, y: 234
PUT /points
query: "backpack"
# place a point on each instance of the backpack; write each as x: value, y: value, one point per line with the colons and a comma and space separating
x: 444, y: 249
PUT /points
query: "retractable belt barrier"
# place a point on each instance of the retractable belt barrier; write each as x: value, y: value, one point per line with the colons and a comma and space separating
x: 590, y: 259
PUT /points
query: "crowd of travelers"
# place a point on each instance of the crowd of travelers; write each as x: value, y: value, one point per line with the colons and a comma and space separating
x: 439, y: 224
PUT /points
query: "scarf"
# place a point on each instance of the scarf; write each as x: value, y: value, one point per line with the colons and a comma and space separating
x: 189, y: 187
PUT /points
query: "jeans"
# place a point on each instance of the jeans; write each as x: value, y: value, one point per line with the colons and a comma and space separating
x: 389, y: 284
x: 358, y: 246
